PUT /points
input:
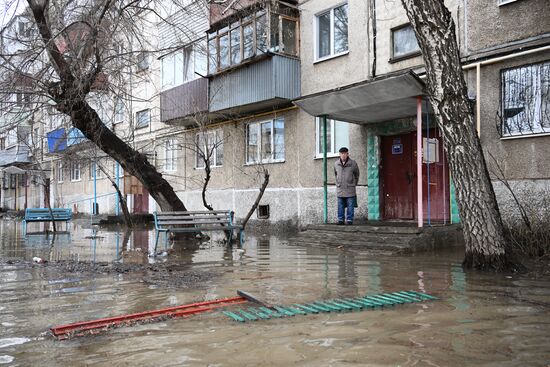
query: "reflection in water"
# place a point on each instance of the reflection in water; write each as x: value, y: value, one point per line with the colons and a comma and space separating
x: 475, y: 322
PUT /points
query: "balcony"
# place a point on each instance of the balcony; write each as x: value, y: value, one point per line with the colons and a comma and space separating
x: 14, y: 155
x: 264, y: 85
x: 178, y: 104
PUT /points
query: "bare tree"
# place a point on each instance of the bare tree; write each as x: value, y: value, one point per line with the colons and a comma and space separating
x: 447, y: 92
x: 72, y: 55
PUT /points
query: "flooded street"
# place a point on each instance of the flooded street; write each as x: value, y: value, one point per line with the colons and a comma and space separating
x: 480, y: 319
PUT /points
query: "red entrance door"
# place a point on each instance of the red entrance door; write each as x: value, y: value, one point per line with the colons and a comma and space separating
x: 141, y: 202
x: 399, y: 186
x: 398, y: 177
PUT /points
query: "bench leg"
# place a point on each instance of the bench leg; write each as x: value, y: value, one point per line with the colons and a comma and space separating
x: 157, y: 240
x: 230, y: 238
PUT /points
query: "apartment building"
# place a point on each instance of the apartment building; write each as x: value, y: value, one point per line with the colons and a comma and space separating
x: 250, y: 85
x: 507, y: 66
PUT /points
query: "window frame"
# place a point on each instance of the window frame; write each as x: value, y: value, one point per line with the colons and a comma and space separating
x: 143, y: 61
x: 99, y: 174
x: 119, y: 102
x: 318, y: 148
x: 213, y: 38
x: 316, y: 34
x: 193, y: 49
x: 214, y: 156
x: 172, y: 144
x: 148, y: 110
x: 60, y: 172
x: 408, y: 55
x: 259, y: 124
x: 74, y: 169
x: 543, y: 131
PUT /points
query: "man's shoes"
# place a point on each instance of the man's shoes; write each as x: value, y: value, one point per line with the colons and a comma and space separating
x: 349, y: 223
x: 340, y: 223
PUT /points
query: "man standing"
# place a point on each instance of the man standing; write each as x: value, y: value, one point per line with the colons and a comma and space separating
x: 347, y: 177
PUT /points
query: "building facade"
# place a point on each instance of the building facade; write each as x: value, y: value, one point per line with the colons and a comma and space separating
x: 237, y: 88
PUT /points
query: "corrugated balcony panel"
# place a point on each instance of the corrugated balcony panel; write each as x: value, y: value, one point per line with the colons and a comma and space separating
x: 184, y: 100
x: 275, y: 78
x: 13, y: 155
x: 185, y: 26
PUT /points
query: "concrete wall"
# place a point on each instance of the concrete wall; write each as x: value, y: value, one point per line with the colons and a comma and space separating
x: 520, y: 158
x: 391, y: 14
x: 342, y: 70
x: 295, y: 187
x: 489, y: 25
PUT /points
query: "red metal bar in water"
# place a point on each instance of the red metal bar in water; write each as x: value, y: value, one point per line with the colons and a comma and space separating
x: 178, y: 311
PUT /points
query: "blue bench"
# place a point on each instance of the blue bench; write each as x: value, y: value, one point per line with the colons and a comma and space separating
x: 196, y: 221
x: 46, y: 215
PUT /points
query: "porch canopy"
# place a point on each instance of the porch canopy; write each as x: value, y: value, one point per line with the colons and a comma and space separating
x: 386, y: 98
x: 376, y: 100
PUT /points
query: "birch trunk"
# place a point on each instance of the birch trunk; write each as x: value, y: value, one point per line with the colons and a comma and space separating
x: 447, y: 92
x: 69, y: 93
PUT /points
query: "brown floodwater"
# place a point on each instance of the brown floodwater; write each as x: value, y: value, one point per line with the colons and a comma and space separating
x: 481, y: 319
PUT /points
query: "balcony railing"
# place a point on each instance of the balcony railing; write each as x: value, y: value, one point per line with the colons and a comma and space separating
x: 266, y: 84
x: 184, y: 100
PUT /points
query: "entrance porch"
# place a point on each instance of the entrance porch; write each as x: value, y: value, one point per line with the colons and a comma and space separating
x: 403, y: 185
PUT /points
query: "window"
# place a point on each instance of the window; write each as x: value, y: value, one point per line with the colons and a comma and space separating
x: 143, y: 118
x: 22, y: 100
x: 119, y: 111
x: 332, y: 32
x: 250, y: 36
x: 209, y: 147
x: 98, y: 172
x: 337, y: 137
x: 60, y: 172
x: 142, y: 61
x: 23, y: 29
x: 526, y: 100
x: 404, y: 42
x: 265, y: 141
x: 170, y: 156
x: 75, y: 171
x: 184, y: 65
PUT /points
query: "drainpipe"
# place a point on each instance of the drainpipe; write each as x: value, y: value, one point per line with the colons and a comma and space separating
x: 117, y: 180
x: 478, y: 65
x: 373, y: 38
x: 325, y: 175
x: 94, y: 211
x: 420, y: 212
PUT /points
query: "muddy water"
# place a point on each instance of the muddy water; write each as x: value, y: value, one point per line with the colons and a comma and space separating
x: 482, y: 320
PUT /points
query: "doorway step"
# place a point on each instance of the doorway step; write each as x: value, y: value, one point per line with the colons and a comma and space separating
x: 385, y: 237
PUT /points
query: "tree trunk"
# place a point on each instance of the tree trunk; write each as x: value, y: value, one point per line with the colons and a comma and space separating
x: 70, y: 95
x: 85, y: 118
x: 447, y: 92
x: 258, y: 199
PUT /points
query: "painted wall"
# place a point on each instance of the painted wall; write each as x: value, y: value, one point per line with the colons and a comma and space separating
x: 520, y: 158
x: 489, y: 25
x: 342, y: 70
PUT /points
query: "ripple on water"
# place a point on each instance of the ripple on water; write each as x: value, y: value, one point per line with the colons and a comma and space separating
x: 7, y: 342
x: 6, y: 359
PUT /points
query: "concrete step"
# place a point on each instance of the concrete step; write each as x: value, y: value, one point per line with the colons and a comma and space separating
x: 363, y: 245
x: 396, y: 229
x: 356, y: 236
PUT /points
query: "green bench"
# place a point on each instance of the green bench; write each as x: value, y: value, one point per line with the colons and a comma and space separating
x: 196, y: 221
x: 46, y: 215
